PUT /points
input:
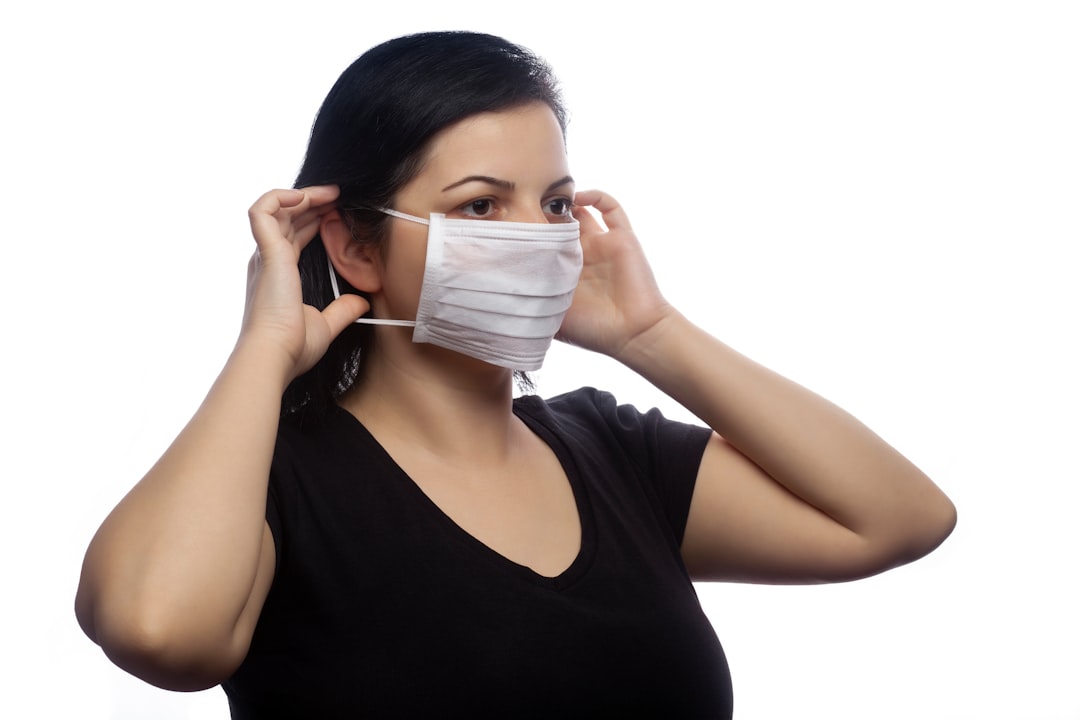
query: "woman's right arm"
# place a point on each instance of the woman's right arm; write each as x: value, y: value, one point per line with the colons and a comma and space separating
x: 174, y: 580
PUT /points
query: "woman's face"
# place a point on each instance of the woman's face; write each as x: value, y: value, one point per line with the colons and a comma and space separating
x: 508, y: 165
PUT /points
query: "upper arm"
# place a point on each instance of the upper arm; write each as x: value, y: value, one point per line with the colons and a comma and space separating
x: 745, y: 526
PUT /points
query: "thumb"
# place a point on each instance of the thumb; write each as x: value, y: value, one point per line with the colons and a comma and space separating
x: 342, y: 312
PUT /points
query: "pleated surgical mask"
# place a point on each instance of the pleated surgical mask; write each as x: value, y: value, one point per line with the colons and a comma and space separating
x: 493, y: 290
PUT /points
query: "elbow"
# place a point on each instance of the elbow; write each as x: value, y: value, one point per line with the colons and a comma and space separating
x: 915, y: 533
x: 169, y: 654
x: 931, y: 526
x: 168, y: 660
x: 930, y: 519
x: 162, y: 660
x: 900, y: 531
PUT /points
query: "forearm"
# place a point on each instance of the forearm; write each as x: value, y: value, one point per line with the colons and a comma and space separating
x: 176, y: 560
x: 814, y: 449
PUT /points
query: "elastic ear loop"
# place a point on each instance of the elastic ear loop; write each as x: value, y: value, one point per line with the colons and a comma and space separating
x: 363, y: 321
x: 337, y: 292
x: 404, y: 216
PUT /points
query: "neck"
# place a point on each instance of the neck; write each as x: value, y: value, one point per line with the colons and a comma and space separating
x: 435, y: 401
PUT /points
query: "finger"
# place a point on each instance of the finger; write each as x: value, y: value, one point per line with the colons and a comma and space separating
x: 300, y: 237
x: 588, y: 221
x: 304, y: 230
x: 320, y: 201
x: 313, y: 214
x: 262, y: 216
x: 614, y: 216
x: 290, y: 215
x: 297, y: 202
x: 317, y: 196
x: 321, y: 194
x: 342, y: 312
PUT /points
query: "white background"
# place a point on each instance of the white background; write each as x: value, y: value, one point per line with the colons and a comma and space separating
x: 879, y: 200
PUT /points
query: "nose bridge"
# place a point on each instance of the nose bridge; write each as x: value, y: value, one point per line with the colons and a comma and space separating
x: 527, y: 210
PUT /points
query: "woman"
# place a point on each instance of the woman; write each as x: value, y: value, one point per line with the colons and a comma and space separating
x: 426, y: 544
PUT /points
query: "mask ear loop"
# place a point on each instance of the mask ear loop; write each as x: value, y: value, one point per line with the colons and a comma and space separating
x: 337, y: 292
x: 362, y: 321
x: 404, y: 216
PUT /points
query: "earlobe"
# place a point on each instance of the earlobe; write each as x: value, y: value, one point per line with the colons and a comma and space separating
x: 355, y: 262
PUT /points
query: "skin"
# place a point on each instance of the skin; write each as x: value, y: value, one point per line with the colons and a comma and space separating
x: 791, y: 489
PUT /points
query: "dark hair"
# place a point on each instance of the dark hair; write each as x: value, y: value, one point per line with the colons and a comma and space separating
x: 370, y: 137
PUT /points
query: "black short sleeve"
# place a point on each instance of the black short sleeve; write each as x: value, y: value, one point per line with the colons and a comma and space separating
x: 665, y: 454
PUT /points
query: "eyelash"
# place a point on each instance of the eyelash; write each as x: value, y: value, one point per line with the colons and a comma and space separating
x: 470, y: 210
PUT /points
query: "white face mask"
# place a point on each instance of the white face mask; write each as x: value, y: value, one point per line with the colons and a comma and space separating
x: 496, y: 291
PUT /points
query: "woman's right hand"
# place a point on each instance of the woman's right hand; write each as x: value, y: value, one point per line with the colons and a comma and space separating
x: 283, y: 223
x: 150, y: 563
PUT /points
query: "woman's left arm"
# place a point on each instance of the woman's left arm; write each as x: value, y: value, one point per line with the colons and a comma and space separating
x: 791, y: 488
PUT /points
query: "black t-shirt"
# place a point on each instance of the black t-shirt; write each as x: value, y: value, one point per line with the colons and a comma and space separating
x: 382, y: 607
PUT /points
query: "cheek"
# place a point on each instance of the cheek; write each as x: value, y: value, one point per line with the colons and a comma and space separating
x: 403, y: 271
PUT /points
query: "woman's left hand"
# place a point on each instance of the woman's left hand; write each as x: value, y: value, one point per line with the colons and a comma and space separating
x: 617, y: 301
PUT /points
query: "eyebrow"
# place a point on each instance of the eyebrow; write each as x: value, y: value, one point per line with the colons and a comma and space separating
x: 505, y: 184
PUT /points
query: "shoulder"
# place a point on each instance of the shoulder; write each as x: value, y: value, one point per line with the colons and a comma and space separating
x: 310, y: 434
x: 589, y: 405
x: 586, y: 404
x: 581, y: 403
x: 592, y: 415
x: 582, y: 412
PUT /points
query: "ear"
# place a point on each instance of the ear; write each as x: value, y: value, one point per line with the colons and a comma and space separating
x: 357, y: 263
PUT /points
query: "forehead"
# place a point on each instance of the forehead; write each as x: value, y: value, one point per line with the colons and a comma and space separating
x: 508, y: 144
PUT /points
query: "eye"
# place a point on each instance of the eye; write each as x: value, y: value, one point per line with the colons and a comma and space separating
x: 559, y: 207
x: 482, y: 207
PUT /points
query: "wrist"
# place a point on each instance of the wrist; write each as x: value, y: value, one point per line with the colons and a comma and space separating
x: 265, y: 359
x: 655, y: 343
